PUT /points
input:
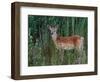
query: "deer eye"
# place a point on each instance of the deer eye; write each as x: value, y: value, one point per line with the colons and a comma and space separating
x: 51, y: 33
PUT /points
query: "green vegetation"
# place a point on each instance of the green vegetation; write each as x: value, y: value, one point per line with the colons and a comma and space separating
x: 41, y: 48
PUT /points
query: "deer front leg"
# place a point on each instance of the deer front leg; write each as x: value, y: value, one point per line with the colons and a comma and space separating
x: 61, y: 54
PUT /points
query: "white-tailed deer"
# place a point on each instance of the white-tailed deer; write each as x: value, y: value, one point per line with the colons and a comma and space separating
x: 66, y: 43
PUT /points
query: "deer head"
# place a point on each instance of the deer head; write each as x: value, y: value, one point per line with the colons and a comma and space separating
x: 53, y: 31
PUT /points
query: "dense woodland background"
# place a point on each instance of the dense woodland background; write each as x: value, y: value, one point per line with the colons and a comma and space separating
x: 41, y: 49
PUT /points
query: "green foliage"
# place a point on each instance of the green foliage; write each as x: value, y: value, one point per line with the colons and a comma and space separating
x: 41, y: 49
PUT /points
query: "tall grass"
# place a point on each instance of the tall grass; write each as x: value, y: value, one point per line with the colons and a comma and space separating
x: 41, y: 49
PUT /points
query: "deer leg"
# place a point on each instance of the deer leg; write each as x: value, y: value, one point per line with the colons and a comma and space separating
x: 80, y: 52
x: 61, y: 55
x: 78, y: 59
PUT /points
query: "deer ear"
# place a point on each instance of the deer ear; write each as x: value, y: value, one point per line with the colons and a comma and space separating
x: 56, y: 27
x: 49, y: 27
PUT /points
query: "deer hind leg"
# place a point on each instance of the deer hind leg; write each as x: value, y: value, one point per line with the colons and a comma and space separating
x: 79, y: 57
x: 81, y: 46
x: 80, y: 51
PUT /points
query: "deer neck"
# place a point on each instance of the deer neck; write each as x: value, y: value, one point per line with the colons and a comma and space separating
x: 54, y: 37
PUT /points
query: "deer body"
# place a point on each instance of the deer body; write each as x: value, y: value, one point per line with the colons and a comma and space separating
x: 68, y: 42
x: 71, y: 42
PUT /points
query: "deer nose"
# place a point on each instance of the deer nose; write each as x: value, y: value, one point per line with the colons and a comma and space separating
x: 51, y: 33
